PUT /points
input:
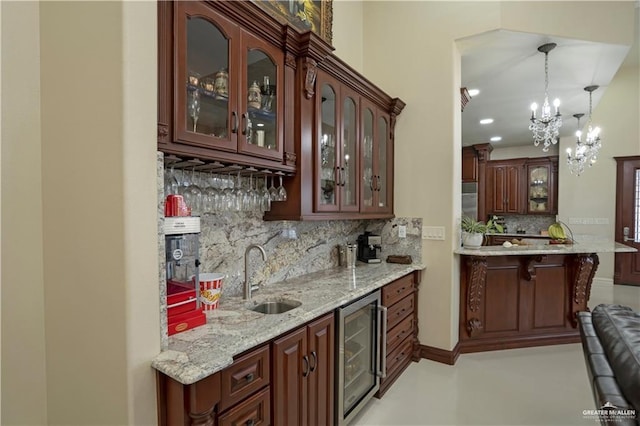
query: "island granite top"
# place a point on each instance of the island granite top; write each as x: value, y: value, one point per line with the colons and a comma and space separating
x: 576, y: 248
x: 233, y: 328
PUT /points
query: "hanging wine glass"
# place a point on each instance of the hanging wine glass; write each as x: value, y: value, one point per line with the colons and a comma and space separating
x: 171, y: 184
x: 265, y: 196
x: 228, y: 199
x: 282, y: 193
x: 239, y: 195
x: 273, y: 191
x: 194, y: 194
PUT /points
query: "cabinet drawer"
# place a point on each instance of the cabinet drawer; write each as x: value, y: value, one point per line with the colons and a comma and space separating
x: 400, y: 356
x: 246, y: 375
x: 400, y: 332
x: 399, y: 311
x: 254, y: 411
x: 397, y: 290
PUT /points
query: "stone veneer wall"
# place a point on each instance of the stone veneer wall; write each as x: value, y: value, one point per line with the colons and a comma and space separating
x: 224, y: 238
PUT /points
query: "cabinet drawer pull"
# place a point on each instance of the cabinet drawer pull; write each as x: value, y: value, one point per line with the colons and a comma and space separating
x: 250, y: 422
x: 343, y: 181
x: 305, y: 369
x: 245, y: 121
x: 315, y: 361
x: 401, y: 290
x: 249, y: 377
x: 234, y: 128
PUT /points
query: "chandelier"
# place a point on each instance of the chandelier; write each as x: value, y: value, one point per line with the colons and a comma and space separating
x: 546, y: 127
x: 586, y: 152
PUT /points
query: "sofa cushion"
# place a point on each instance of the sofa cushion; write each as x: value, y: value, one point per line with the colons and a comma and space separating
x: 618, y: 328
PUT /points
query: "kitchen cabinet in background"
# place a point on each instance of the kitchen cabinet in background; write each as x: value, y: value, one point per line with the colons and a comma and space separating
x: 303, y: 382
x: 469, y: 164
x: 542, y: 185
x: 505, y: 185
x: 522, y: 186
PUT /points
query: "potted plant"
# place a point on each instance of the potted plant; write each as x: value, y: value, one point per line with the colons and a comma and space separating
x: 473, y: 231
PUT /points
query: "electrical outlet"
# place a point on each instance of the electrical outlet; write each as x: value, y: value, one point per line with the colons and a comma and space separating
x: 402, y: 231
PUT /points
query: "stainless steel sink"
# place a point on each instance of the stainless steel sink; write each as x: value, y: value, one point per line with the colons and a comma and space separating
x: 276, y: 307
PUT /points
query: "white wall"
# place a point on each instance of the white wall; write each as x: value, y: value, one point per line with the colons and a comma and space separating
x: 593, y: 194
x: 78, y: 188
x: 409, y: 51
x: 24, y: 400
x: 348, y: 32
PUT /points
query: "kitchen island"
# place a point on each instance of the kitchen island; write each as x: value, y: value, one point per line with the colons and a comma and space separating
x: 521, y: 296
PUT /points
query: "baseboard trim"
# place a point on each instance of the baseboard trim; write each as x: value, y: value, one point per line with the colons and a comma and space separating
x: 602, y: 282
x: 440, y: 355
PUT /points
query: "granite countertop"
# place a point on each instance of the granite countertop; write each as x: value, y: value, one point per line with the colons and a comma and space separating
x: 586, y: 247
x: 233, y: 328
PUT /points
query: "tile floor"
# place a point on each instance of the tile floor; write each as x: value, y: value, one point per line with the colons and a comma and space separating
x: 533, y: 386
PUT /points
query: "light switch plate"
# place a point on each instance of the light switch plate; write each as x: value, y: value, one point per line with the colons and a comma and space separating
x: 433, y: 233
x: 402, y: 231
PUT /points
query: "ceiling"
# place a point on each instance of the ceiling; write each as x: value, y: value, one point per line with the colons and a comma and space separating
x: 509, y: 72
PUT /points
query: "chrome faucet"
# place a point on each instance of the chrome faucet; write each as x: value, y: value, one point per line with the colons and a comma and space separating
x: 248, y: 288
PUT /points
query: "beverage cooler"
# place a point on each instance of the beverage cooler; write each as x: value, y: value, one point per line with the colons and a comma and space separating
x: 361, y: 346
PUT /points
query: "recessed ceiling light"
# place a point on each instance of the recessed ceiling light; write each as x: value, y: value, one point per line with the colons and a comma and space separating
x: 473, y: 92
x: 260, y: 124
x: 496, y: 138
x: 486, y: 121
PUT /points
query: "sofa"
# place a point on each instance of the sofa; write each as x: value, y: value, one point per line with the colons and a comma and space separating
x: 610, y: 336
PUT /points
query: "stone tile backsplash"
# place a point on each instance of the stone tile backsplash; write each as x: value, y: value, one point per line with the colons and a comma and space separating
x: 225, y: 236
x: 531, y: 224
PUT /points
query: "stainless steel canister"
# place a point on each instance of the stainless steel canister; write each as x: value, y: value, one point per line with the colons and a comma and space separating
x: 352, y: 254
x: 342, y: 255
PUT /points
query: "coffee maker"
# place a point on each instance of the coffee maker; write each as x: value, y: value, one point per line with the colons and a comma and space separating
x: 368, y: 246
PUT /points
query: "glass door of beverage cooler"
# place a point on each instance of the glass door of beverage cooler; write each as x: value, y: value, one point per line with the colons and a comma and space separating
x: 359, y: 364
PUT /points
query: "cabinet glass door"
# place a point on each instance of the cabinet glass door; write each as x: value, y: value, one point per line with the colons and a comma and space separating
x: 203, y: 86
x: 327, y: 142
x: 538, y: 197
x: 349, y: 160
x: 259, y: 124
x: 382, y: 180
x: 368, y: 177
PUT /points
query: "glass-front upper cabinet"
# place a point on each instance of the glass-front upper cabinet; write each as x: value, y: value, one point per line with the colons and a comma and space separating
x: 385, y: 157
x: 376, y: 158
x: 369, y: 184
x: 539, y: 188
x: 227, y: 85
x: 326, y: 182
x: 261, y: 123
x: 348, y: 161
x: 336, y: 147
